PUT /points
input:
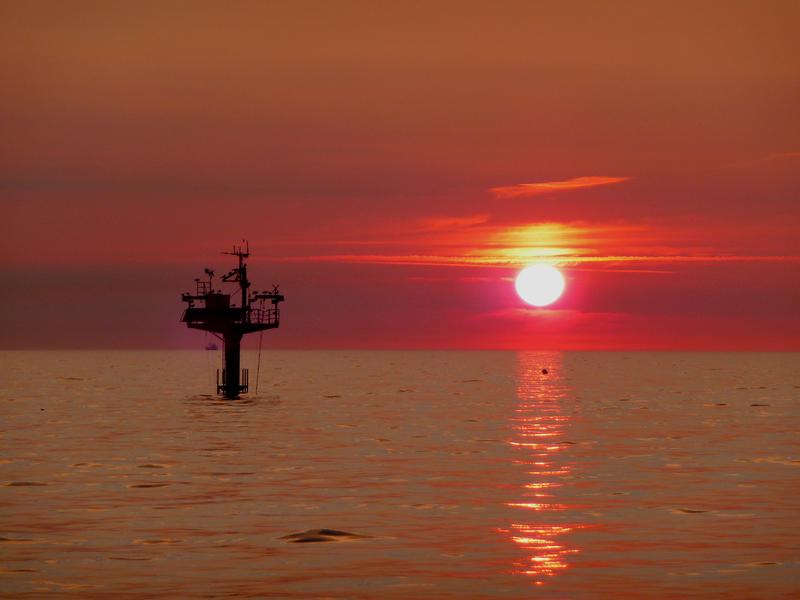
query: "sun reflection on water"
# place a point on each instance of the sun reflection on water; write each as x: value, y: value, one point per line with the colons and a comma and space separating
x: 538, y: 428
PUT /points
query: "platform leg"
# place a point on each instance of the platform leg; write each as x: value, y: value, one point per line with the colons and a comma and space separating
x: 232, y: 350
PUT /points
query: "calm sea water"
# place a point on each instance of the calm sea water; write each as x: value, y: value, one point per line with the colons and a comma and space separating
x: 469, y: 474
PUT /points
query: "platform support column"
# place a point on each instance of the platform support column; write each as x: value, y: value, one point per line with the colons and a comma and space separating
x: 232, y: 341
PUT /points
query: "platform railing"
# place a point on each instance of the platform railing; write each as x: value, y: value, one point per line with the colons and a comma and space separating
x: 244, y: 381
x: 264, y: 316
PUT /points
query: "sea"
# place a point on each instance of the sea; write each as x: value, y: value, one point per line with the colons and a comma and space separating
x: 395, y: 475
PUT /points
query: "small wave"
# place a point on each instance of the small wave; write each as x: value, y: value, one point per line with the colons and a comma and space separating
x: 25, y: 483
x: 148, y: 485
x: 322, y: 535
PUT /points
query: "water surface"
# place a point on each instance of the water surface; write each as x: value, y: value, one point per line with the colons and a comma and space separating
x: 462, y: 474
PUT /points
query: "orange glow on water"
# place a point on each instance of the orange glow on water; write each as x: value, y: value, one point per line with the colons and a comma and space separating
x: 539, y: 415
x: 542, y: 486
x: 538, y: 505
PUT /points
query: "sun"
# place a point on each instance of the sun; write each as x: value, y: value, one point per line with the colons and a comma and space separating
x: 539, y: 285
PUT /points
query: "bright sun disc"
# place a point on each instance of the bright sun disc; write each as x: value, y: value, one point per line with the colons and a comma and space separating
x: 539, y: 285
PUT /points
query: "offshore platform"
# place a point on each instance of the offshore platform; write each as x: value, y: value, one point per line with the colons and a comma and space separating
x: 219, y: 314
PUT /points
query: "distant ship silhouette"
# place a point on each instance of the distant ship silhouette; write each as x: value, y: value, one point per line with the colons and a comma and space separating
x: 212, y: 346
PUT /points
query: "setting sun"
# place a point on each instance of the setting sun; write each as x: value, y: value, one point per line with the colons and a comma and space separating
x: 539, y: 285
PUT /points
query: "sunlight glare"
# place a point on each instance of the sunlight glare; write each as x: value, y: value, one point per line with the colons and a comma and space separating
x: 539, y: 285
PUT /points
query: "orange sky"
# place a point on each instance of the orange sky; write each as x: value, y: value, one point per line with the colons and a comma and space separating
x: 395, y: 164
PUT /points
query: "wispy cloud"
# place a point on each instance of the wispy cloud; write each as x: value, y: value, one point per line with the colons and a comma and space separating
x: 477, y: 240
x: 772, y: 158
x: 506, y: 261
x: 448, y: 222
x: 527, y: 190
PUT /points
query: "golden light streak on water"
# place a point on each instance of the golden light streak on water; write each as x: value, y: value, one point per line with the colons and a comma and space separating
x: 539, y: 416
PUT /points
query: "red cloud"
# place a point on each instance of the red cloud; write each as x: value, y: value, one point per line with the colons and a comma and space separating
x: 526, y: 190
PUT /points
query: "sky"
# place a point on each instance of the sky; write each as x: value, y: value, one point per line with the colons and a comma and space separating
x: 395, y: 164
